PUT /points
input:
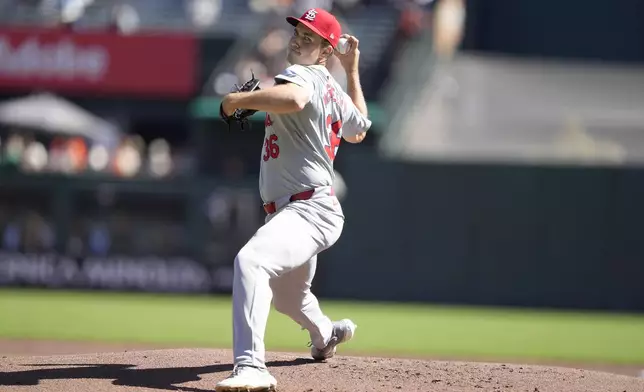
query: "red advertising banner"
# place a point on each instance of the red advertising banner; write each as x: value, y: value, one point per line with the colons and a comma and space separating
x: 159, y: 65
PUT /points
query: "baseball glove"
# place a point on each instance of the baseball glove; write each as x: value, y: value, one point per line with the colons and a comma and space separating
x: 240, y: 116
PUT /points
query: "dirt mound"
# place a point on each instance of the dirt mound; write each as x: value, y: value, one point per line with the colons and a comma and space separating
x: 197, y: 370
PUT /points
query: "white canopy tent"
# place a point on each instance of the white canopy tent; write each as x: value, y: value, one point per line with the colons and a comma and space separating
x: 52, y: 114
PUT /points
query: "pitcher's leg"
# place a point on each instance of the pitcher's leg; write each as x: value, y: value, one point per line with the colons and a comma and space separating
x: 292, y: 296
x: 251, y: 306
x: 285, y: 242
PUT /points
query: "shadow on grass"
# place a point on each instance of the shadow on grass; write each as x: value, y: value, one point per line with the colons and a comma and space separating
x: 127, y: 375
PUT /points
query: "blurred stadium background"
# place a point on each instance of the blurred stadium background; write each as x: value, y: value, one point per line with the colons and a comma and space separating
x: 503, y: 167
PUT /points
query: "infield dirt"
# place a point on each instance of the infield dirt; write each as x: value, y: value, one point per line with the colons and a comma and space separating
x: 198, y: 370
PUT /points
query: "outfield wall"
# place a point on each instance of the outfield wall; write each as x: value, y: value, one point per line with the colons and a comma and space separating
x: 494, y: 234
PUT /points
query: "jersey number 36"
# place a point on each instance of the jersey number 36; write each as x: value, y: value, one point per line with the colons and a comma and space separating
x: 335, y: 136
x: 271, y: 149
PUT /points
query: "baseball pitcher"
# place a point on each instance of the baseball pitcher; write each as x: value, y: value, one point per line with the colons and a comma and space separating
x: 307, y: 115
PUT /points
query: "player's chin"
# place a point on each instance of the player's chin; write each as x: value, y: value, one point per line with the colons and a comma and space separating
x: 296, y: 58
x: 293, y: 57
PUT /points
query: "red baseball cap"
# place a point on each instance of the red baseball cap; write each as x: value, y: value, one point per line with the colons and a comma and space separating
x: 321, y: 22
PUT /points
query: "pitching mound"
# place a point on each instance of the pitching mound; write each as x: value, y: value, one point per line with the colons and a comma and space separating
x: 198, y: 370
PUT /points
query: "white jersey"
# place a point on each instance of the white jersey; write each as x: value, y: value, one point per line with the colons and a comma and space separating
x: 299, y: 148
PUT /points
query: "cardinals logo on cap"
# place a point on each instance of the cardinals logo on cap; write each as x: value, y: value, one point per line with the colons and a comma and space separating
x: 310, y: 15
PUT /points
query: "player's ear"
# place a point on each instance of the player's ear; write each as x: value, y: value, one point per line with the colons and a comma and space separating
x: 327, y: 52
x: 327, y: 49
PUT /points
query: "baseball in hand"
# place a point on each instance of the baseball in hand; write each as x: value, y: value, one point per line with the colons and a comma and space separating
x: 343, y: 45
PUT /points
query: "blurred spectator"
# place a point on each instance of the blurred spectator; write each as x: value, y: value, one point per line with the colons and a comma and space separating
x: 127, y: 161
x: 98, y: 158
x: 274, y: 43
x: 449, y: 24
x: 35, y: 157
x: 14, y: 149
x: 224, y: 81
x: 159, y: 158
x: 11, y: 236
x: 57, y: 154
x: 38, y: 233
x: 72, y: 10
x: 204, y: 13
x: 77, y: 153
x: 99, y: 239
x: 125, y: 18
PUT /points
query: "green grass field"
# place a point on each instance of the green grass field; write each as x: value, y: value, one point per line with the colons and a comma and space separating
x: 383, y: 329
